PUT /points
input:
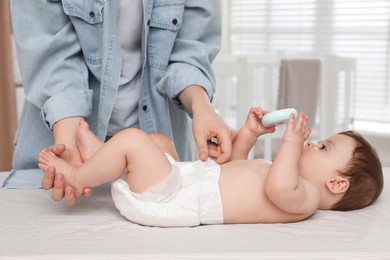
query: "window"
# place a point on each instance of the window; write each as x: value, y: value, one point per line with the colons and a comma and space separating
x: 350, y: 28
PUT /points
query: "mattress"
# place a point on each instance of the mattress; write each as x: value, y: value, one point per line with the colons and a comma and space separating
x: 32, y: 226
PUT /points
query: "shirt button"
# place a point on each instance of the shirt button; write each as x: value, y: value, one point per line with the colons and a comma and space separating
x: 92, y: 14
x: 145, y: 107
x: 174, y: 21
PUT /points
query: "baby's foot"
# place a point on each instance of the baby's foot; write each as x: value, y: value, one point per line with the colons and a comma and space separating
x: 86, y: 141
x: 42, y: 162
x: 48, y: 158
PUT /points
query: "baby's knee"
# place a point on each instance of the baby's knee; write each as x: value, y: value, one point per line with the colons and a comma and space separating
x: 132, y: 134
x: 165, y: 144
x: 157, y: 137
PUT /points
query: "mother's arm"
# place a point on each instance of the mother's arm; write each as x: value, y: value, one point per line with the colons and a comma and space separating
x: 55, y: 76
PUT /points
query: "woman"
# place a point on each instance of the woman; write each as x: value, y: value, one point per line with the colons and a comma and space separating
x: 118, y: 64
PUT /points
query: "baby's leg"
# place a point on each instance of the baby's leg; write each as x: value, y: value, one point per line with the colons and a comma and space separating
x: 130, y: 149
x: 165, y: 144
x: 147, y: 164
x: 87, y: 142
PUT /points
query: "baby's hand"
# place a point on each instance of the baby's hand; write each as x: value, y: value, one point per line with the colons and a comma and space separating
x: 253, y: 122
x: 299, y: 132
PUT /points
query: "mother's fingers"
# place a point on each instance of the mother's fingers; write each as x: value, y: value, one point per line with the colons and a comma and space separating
x: 213, y: 149
x: 58, y: 149
x: 48, y: 178
x: 58, y: 189
x: 225, y: 145
x: 87, y: 192
x: 70, y: 197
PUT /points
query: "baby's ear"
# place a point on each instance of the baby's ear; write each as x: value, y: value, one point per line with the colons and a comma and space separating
x: 337, y: 185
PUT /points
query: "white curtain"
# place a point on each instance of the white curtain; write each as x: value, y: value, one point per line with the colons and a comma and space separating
x: 352, y: 28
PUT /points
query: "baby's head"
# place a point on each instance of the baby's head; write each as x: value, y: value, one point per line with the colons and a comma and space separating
x: 364, y: 172
x: 347, y: 170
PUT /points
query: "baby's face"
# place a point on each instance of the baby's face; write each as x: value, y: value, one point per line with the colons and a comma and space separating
x: 321, y: 162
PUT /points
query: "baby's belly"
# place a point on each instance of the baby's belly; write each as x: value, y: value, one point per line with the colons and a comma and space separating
x: 242, y: 190
x: 243, y: 195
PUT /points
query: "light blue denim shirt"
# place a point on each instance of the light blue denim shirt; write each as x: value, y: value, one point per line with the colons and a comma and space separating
x: 69, y: 56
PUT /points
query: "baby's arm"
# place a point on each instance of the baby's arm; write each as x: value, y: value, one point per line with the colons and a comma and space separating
x: 283, y: 186
x: 248, y: 134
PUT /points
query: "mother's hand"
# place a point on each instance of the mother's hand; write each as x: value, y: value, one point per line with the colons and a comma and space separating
x: 55, y: 181
x: 212, y: 135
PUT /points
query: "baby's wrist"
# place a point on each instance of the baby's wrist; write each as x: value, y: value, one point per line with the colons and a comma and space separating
x: 251, y: 132
x: 298, y: 143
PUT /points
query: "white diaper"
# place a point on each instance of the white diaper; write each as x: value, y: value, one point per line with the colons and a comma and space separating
x: 188, y: 196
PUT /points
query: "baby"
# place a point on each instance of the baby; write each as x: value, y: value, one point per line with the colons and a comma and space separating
x: 149, y: 187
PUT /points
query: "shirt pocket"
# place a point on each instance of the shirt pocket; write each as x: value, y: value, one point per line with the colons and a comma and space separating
x: 90, y: 11
x: 164, y: 24
x: 87, y: 19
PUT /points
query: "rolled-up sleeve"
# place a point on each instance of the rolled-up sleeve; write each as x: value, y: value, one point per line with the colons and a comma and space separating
x: 54, y: 74
x: 196, y: 46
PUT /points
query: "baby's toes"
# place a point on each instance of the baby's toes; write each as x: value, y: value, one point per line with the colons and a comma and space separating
x: 45, y: 158
x: 42, y: 166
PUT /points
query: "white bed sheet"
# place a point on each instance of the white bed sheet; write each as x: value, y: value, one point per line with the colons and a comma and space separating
x: 32, y: 226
